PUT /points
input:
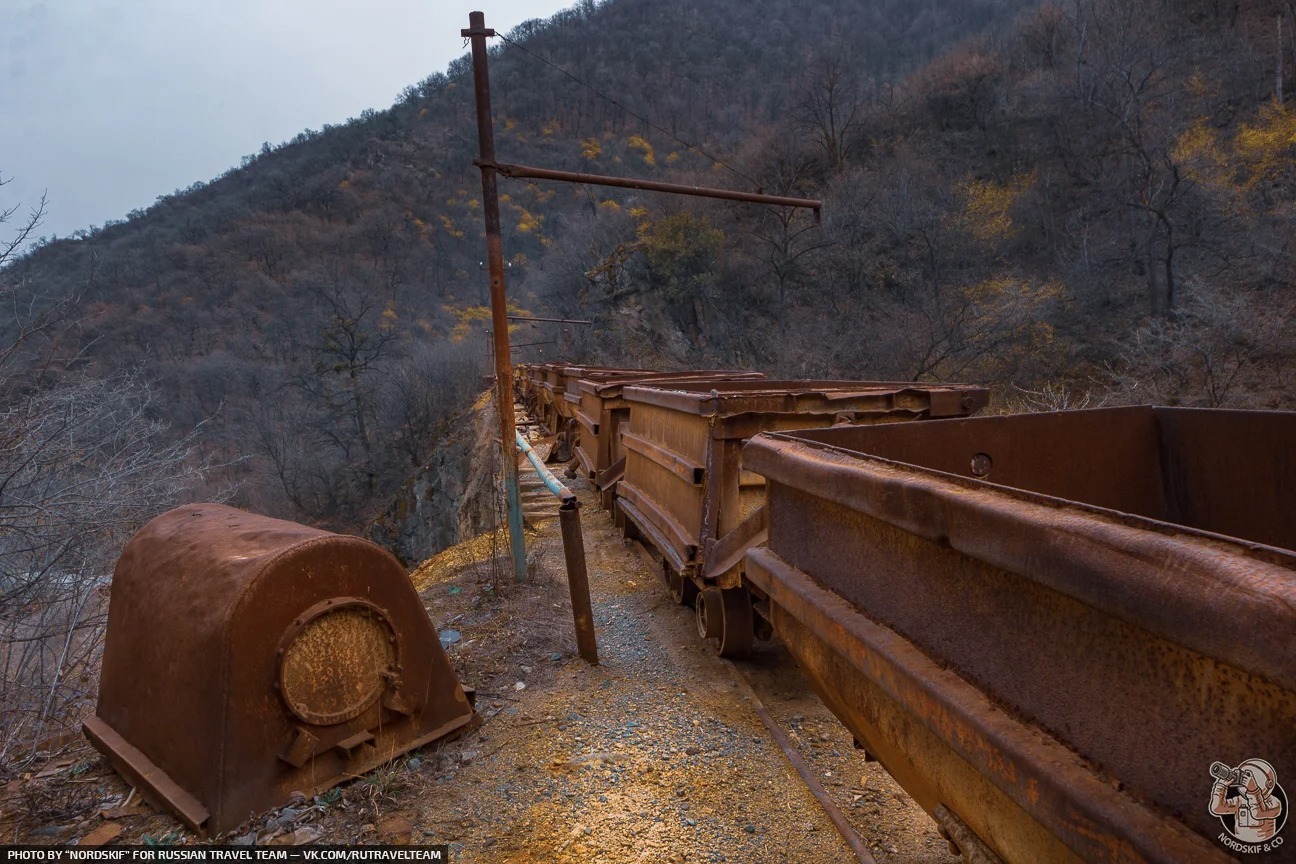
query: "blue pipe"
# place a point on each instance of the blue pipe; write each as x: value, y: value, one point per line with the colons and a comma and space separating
x: 564, y: 494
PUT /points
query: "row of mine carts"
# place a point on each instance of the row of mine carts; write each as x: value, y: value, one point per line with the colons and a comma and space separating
x: 1071, y: 636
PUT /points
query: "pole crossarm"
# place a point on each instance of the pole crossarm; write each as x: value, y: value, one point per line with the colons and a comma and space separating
x: 528, y: 172
x: 549, y: 320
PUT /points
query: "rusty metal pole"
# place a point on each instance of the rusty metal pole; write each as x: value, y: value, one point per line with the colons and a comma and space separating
x: 549, y: 320
x: 478, y: 32
x: 524, y: 172
x: 573, y: 551
x: 578, y: 580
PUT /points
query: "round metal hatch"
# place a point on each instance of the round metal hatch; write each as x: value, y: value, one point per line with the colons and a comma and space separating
x: 336, y: 660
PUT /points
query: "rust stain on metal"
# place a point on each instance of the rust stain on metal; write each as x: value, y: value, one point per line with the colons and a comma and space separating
x: 606, y: 415
x: 247, y: 658
x: 1046, y: 656
x: 477, y: 33
x: 578, y: 580
x: 337, y: 661
x: 684, y: 477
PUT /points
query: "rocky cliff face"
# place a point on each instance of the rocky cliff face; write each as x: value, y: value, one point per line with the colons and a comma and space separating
x: 452, y: 498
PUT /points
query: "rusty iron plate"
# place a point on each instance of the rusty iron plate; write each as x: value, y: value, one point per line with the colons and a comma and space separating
x: 604, y: 413
x: 336, y: 660
x: 1073, y: 568
x: 683, y: 449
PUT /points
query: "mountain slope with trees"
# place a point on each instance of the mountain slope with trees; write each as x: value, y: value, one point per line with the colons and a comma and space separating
x: 318, y: 310
x: 1066, y: 201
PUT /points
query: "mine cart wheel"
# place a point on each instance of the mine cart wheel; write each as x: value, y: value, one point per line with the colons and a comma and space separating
x: 682, y: 589
x: 708, y: 614
x: 726, y: 621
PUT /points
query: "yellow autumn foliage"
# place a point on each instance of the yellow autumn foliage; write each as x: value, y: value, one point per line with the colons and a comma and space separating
x: 528, y: 222
x: 987, y: 207
x: 389, y: 319
x: 591, y: 148
x: 1267, y: 147
x: 1259, y: 154
x: 450, y: 228
x: 468, y: 316
x: 638, y: 142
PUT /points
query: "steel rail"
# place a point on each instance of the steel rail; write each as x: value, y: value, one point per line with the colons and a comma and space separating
x: 804, y: 771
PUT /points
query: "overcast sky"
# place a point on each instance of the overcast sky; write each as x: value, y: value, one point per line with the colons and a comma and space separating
x: 108, y: 104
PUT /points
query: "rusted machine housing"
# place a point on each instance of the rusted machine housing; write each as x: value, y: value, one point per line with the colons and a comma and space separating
x: 685, y: 487
x: 1047, y: 627
x: 247, y: 658
x: 603, y: 413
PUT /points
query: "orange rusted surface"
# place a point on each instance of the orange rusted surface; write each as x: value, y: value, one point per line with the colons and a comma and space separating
x: 685, y: 487
x: 1051, y: 625
x: 247, y: 658
x: 554, y: 409
x: 603, y: 413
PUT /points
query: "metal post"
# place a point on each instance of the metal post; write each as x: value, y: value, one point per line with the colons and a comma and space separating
x: 573, y: 551
x: 477, y: 32
x: 578, y: 580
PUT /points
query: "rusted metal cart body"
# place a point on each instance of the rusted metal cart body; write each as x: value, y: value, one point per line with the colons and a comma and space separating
x: 603, y: 415
x: 685, y: 487
x: 1047, y: 627
x: 555, y: 410
x: 548, y: 392
x: 572, y: 376
x: 247, y: 658
x: 524, y: 383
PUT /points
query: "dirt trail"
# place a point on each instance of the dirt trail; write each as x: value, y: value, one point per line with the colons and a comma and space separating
x: 652, y: 756
x: 655, y: 755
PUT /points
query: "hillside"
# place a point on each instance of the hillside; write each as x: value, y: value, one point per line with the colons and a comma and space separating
x: 317, y: 310
x: 1068, y: 202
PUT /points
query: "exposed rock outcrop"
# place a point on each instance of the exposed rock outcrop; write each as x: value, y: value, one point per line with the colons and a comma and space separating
x: 452, y: 498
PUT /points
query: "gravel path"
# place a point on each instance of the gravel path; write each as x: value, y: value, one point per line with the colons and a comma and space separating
x: 655, y: 755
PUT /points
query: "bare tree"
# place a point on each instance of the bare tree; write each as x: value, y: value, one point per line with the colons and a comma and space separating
x: 82, y: 466
x: 22, y: 230
x: 83, y: 463
x: 830, y: 109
